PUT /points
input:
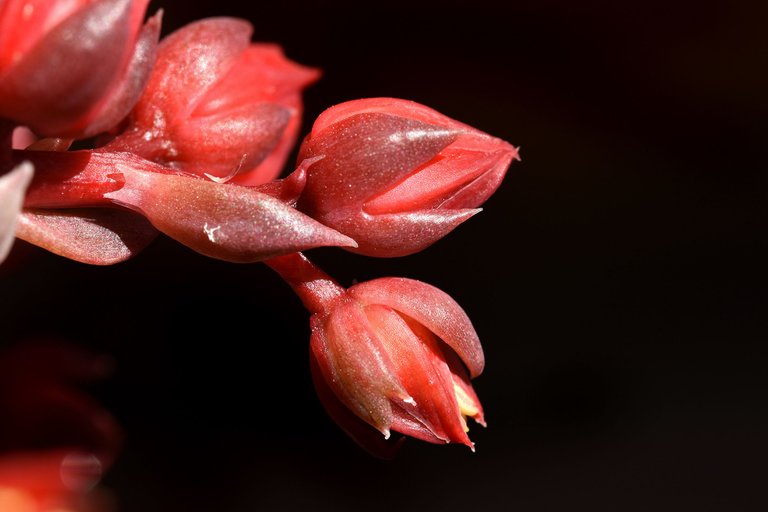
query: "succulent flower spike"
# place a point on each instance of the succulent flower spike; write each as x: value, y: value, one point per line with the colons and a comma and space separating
x: 73, y: 68
x: 217, y: 104
x: 393, y: 351
x: 224, y: 221
x: 12, y: 188
x: 397, y: 176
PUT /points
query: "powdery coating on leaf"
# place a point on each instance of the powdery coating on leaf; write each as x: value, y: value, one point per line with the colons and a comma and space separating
x: 227, y: 222
x: 12, y: 188
x: 431, y: 307
x: 96, y: 236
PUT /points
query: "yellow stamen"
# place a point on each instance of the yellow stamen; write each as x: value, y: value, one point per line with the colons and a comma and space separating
x: 467, y: 406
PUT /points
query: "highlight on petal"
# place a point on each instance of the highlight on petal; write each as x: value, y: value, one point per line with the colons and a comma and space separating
x: 369, y: 151
x: 96, y: 236
x: 397, y: 176
x: 217, y: 105
x: 431, y: 307
x: 13, y: 185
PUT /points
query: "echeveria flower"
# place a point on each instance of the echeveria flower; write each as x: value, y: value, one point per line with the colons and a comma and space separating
x: 218, y: 105
x: 397, y: 176
x: 393, y: 351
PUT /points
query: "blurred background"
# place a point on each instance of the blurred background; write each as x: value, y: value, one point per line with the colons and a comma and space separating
x: 616, y: 278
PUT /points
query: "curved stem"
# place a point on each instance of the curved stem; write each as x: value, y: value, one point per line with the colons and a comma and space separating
x: 316, y: 289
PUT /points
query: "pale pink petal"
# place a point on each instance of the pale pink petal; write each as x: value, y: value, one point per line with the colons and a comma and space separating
x: 97, y: 236
x: 12, y: 188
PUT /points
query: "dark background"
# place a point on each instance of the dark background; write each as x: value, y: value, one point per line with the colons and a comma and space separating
x: 616, y: 278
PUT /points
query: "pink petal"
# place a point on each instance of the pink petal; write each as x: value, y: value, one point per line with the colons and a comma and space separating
x: 431, y: 307
x: 389, y: 106
x: 24, y: 22
x: 12, y: 188
x: 419, y: 366
x: 355, y: 365
x: 262, y: 75
x: 128, y: 88
x: 189, y: 62
x: 72, y: 67
x: 246, y: 135
x: 361, y: 432
x: 372, y: 151
x: 398, y: 234
x: 455, y: 171
x: 96, y: 236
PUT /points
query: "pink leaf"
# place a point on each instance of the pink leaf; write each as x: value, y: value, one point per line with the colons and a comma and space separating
x: 96, y: 236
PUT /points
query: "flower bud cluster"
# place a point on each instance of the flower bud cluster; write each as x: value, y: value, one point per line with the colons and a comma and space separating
x: 188, y: 135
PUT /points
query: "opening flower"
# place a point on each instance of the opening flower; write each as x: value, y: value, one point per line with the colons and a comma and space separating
x: 397, y: 353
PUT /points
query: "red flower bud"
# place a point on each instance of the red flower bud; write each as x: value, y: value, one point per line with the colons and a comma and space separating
x: 388, y: 350
x: 391, y: 352
x: 216, y: 104
x: 73, y: 68
x: 397, y: 176
x: 12, y: 188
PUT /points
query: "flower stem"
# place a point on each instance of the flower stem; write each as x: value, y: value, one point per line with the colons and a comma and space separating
x: 316, y: 289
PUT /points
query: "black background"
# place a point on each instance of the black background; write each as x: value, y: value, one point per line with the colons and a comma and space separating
x: 615, y: 278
